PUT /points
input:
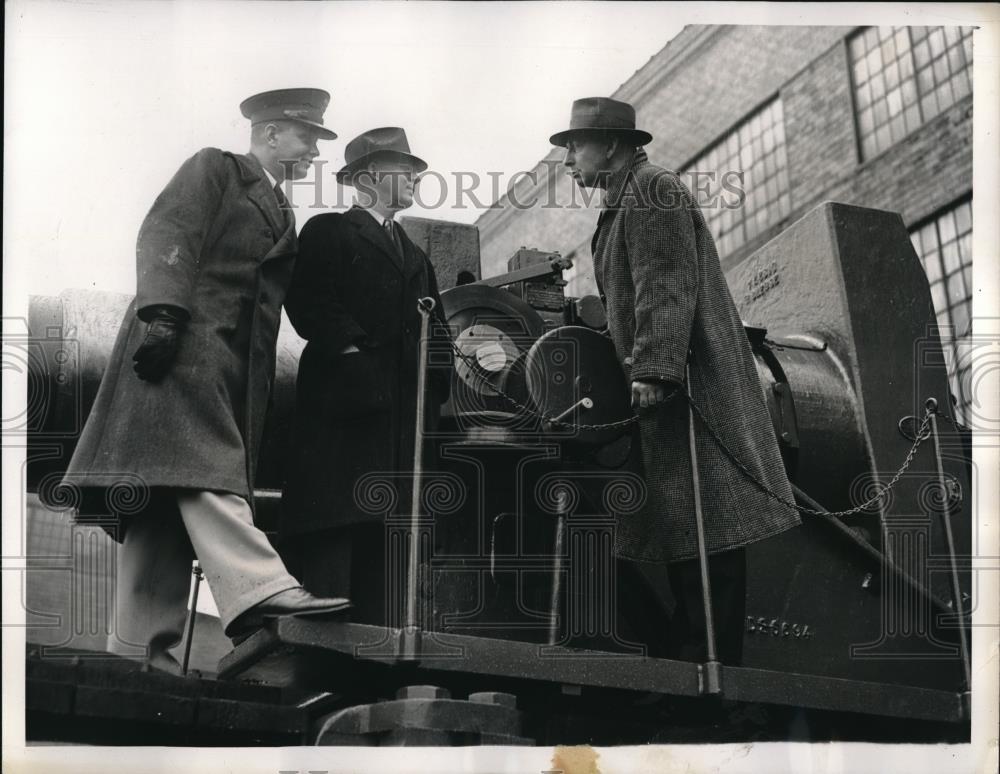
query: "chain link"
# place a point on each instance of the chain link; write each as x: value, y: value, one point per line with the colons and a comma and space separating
x: 919, y: 438
x: 921, y: 435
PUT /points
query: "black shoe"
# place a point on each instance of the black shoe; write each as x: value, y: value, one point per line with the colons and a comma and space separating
x: 294, y: 601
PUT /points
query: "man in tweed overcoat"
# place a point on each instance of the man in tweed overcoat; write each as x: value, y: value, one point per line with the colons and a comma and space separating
x: 674, y: 325
x: 182, y: 402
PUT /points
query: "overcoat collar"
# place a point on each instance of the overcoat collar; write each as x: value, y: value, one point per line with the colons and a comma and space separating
x: 370, y: 230
x: 261, y: 194
x: 620, y: 179
x: 617, y: 184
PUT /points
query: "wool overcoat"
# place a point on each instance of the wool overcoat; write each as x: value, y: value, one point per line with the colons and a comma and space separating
x: 668, y: 305
x: 355, y: 412
x: 217, y: 245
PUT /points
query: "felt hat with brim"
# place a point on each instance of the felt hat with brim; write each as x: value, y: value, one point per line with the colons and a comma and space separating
x: 387, y: 143
x: 601, y: 114
x: 305, y: 106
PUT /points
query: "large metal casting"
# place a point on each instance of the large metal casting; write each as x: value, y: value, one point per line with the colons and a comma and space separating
x: 864, y: 612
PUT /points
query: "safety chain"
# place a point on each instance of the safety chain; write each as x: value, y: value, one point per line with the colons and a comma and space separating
x: 919, y: 438
x: 921, y: 435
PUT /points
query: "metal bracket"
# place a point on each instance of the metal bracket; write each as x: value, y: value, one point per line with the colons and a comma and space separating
x: 537, y: 271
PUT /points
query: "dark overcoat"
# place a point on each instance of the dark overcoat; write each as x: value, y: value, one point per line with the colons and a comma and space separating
x: 666, y: 298
x: 355, y: 412
x: 217, y: 245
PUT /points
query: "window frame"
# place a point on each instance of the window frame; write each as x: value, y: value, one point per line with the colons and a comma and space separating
x: 720, y: 141
x: 914, y: 77
x: 951, y: 343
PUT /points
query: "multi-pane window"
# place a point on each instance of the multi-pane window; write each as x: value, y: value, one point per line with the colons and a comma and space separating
x: 945, y: 248
x: 741, y: 182
x: 904, y: 76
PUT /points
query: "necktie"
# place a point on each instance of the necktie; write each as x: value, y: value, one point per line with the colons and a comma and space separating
x: 393, y: 232
x: 282, y: 199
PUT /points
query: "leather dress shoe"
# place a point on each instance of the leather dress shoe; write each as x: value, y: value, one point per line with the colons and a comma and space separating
x: 294, y: 601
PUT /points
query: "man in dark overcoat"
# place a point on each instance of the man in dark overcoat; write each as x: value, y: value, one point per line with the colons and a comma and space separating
x: 675, y: 327
x: 354, y: 299
x: 182, y: 402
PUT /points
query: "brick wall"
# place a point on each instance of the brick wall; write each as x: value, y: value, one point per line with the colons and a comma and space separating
x: 705, y: 81
x: 927, y: 170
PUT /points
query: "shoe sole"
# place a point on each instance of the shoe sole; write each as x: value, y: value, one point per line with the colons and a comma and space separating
x: 255, y: 626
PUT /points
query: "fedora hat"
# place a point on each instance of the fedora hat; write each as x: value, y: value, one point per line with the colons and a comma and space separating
x: 387, y: 142
x: 602, y: 114
x: 306, y: 106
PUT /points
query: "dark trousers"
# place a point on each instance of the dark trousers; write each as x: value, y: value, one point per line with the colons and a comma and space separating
x: 728, y: 579
x: 344, y: 562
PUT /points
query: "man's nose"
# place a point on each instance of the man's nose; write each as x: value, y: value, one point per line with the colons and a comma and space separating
x: 568, y: 160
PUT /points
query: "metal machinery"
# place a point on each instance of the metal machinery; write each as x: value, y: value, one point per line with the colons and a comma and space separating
x: 528, y: 630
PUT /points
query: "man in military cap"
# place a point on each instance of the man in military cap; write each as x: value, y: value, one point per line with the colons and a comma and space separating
x: 354, y: 299
x: 182, y: 403
x: 675, y: 327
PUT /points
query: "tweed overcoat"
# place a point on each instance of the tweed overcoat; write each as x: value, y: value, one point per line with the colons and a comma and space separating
x: 216, y: 244
x: 668, y: 304
x: 355, y: 412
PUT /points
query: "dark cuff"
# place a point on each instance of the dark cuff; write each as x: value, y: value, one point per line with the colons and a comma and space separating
x: 174, y: 314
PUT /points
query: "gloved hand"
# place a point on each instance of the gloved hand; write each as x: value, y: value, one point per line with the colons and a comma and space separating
x: 155, y: 355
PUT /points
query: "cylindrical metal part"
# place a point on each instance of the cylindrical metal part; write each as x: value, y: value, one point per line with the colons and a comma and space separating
x: 192, y: 615
x: 69, y: 343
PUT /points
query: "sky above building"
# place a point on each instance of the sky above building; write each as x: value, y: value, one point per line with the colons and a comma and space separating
x: 106, y: 99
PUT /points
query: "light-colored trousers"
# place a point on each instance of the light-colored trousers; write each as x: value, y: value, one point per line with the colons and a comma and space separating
x: 154, y: 571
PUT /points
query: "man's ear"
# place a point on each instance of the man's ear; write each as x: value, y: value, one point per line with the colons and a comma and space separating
x: 611, y: 148
x: 271, y: 134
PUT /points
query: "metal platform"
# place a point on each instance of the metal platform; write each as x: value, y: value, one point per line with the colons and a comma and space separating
x: 289, y: 648
x: 96, y: 698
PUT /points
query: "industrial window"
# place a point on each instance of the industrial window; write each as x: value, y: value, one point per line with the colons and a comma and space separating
x: 741, y: 182
x: 904, y: 76
x: 945, y: 248
x: 49, y: 533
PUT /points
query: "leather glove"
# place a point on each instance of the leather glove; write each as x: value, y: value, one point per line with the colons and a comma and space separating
x: 155, y: 355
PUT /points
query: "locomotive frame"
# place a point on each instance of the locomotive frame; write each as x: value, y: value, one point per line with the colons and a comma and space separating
x: 892, y: 582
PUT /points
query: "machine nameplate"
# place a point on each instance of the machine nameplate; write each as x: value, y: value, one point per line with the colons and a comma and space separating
x: 762, y: 279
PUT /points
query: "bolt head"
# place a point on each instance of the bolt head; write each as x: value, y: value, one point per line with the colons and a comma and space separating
x: 422, y: 692
x: 494, y: 697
